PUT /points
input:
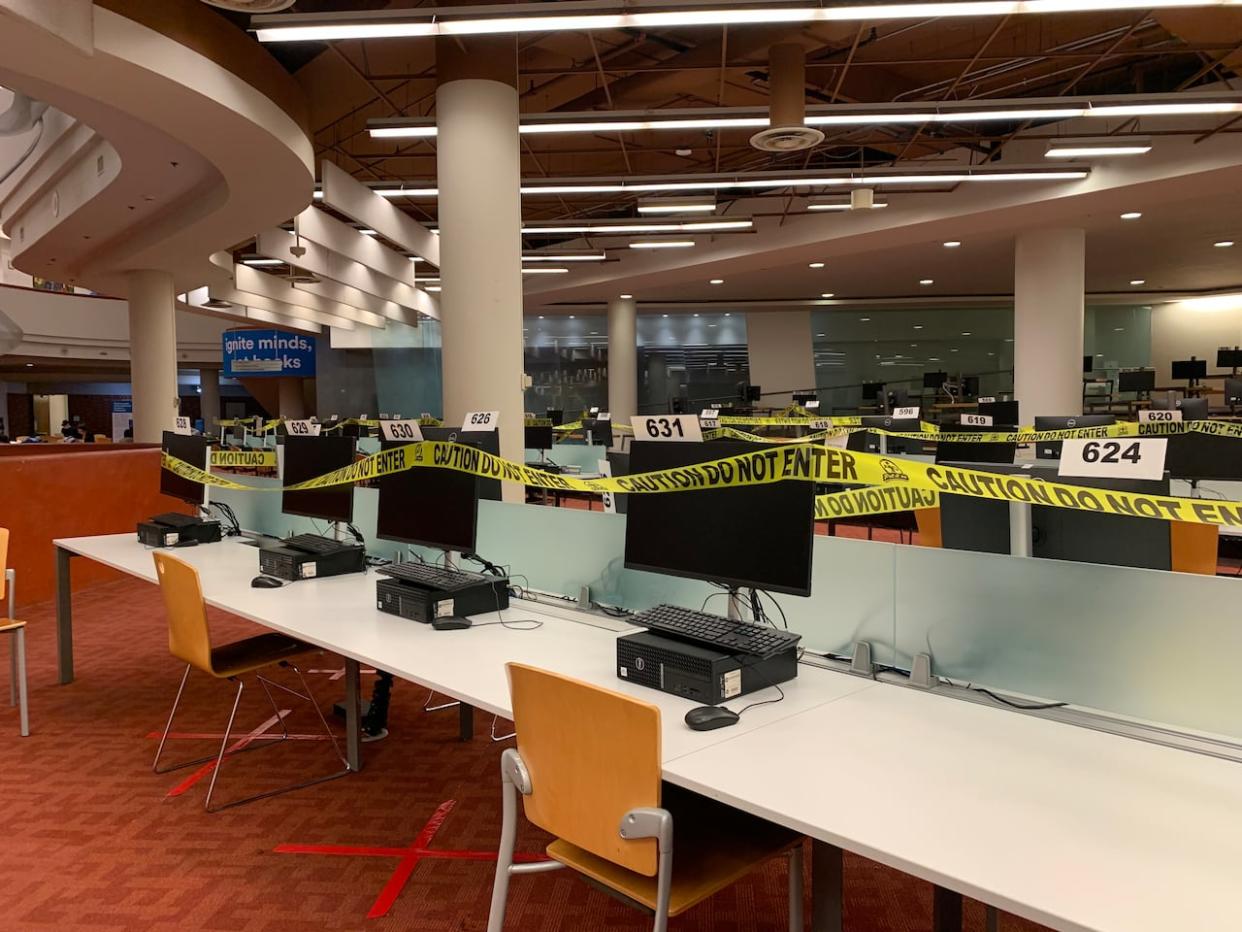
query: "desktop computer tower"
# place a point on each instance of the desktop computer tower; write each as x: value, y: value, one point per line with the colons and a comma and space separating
x: 696, y: 672
x: 426, y: 604
x: 292, y: 564
x: 156, y: 534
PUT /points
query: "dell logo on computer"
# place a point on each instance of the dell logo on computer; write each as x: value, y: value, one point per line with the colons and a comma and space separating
x: 640, y: 664
x: 1071, y: 422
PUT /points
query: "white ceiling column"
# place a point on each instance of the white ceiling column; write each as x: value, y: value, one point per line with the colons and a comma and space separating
x: 153, y: 353
x: 1049, y: 269
x: 781, y: 356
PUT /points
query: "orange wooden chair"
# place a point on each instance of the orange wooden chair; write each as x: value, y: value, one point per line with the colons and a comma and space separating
x: 587, y: 766
x: 17, y: 630
x: 189, y: 639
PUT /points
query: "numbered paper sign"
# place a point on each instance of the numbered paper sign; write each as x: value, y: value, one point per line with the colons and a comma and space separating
x: 409, y: 431
x: 481, y: 420
x: 666, y: 427
x: 610, y: 500
x: 986, y: 399
x: 1168, y: 417
x: 820, y: 423
x: 302, y: 428
x: 906, y: 412
x: 181, y: 425
x: 977, y: 420
x: 709, y: 417
x: 840, y: 441
x: 811, y: 406
x: 1122, y: 458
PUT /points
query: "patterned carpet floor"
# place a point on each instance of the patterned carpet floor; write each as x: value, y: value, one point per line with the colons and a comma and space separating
x: 91, y: 839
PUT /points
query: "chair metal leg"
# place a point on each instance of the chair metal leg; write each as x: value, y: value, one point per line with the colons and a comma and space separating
x: 428, y: 707
x: 310, y: 697
x: 504, y: 855
x: 19, y: 651
x: 496, y: 737
x: 155, y: 765
x: 224, y: 744
x: 263, y: 681
x: 795, y: 888
x: 13, y: 673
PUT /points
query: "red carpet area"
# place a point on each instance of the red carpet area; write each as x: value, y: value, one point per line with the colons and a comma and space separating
x: 93, y: 840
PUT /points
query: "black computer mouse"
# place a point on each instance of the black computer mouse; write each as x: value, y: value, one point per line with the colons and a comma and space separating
x: 710, y: 717
x: 266, y: 582
x: 450, y: 624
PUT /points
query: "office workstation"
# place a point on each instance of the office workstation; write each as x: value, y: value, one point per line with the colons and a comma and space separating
x: 629, y: 467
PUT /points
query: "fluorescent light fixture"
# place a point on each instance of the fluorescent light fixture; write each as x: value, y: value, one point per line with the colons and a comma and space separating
x: 531, y: 17
x: 677, y: 205
x: 927, y: 281
x: 816, y: 265
x: 544, y: 270
x: 368, y: 232
x: 262, y: 262
x: 565, y: 257
x: 828, y: 294
x: 1098, y: 147
x: 1223, y: 244
x: 952, y: 243
x: 1138, y: 281
x: 662, y: 244
x: 1131, y: 215
x: 416, y: 258
x: 626, y: 297
x: 716, y: 281
x: 698, y: 226
x: 842, y: 205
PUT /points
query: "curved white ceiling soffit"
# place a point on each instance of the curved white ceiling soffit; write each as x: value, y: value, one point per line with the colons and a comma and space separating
x: 1177, y: 169
x: 171, y: 137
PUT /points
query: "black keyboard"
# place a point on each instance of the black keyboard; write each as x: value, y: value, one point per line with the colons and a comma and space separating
x: 434, y: 577
x: 312, y: 543
x: 735, y: 637
x: 174, y: 519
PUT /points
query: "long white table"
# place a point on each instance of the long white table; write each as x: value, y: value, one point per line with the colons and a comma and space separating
x: 1069, y: 827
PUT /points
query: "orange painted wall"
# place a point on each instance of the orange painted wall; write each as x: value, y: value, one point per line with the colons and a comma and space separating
x: 45, y: 495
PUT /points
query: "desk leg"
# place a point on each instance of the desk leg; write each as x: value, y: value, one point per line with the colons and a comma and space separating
x: 353, y: 718
x: 64, y: 618
x: 826, y: 884
x: 993, y: 919
x: 465, y: 720
x: 946, y: 911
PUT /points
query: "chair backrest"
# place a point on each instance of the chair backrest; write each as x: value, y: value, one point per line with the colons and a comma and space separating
x: 4, y: 555
x: 188, y: 636
x: 592, y: 755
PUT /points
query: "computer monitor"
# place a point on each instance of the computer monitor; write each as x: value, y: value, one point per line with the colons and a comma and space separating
x: 955, y: 452
x: 753, y: 393
x: 801, y: 398
x: 308, y: 457
x: 868, y: 442
x: 1233, y: 391
x: 1189, y: 369
x: 1193, y: 409
x: 620, y: 463
x: 600, y: 431
x: 428, y: 506
x: 1051, y: 449
x: 970, y: 386
x: 1136, y: 380
x: 1198, y: 456
x: 1229, y: 358
x: 871, y: 390
x: 556, y: 416
x: 486, y: 440
x: 538, y: 438
x: 1088, y: 364
x: 754, y: 535
x: 188, y: 449
x: 935, y: 379
x: 982, y: 525
x: 1001, y: 412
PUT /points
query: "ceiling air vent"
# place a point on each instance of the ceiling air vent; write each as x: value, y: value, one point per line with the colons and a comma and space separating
x: 251, y: 6
x: 787, y: 131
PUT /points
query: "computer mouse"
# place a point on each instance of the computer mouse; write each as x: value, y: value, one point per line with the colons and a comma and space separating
x: 266, y: 582
x: 710, y: 717
x: 450, y: 624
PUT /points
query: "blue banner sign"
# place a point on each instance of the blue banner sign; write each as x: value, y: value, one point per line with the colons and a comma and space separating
x: 250, y: 353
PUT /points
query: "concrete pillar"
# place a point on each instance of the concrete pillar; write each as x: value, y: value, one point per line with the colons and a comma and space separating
x: 782, y: 359
x: 209, y: 400
x: 290, y: 403
x: 622, y: 359
x: 152, y: 354
x: 1048, y: 321
x: 480, y: 214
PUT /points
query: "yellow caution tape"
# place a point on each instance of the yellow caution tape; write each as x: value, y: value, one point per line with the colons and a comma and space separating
x: 854, y: 503
x: 243, y: 458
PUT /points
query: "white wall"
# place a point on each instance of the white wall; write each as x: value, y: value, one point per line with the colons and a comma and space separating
x: 1194, y: 328
x: 781, y: 357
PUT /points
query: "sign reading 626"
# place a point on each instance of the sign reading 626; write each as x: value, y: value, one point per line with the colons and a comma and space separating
x: 481, y: 420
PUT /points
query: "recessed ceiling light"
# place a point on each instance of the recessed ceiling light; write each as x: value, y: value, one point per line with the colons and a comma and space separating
x: 821, y: 334
x: 927, y: 281
x: 573, y: 317
x: 952, y: 244
x: 918, y: 326
x: 29, y: 365
x: 728, y: 314
x: 1223, y: 244
x: 1138, y: 281
x: 1117, y: 330
x: 828, y: 294
x: 664, y: 315
x: 864, y: 319
x: 716, y: 281
x: 953, y: 350
x: 965, y: 333
x: 696, y: 315
x: 816, y: 265
x: 1131, y: 215
x: 626, y: 297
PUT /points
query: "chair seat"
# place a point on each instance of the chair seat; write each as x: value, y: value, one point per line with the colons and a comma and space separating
x: 252, y: 653
x: 713, y: 846
x: 9, y: 624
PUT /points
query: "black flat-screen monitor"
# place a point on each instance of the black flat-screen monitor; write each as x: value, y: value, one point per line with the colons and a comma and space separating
x: 1193, y: 409
x: 1088, y: 364
x: 188, y: 449
x: 982, y: 525
x: 538, y: 438
x: 556, y: 416
x: 1229, y: 357
x: 935, y: 379
x: 801, y: 398
x: 868, y: 442
x: 486, y: 440
x: 1001, y: 412
x: 970, y: 386
x: 871, y: 390
x: 1051, y: 449
x: 753, y: 393
x: 428, y: 506
x: 1233, y: 391
x: 955, y: 452
x: 308, y: 457
x: 1136, y: 380
x: 600, y: 431
x: 1203, y: 456
x: 756, y: 535
x: 1189, y: 369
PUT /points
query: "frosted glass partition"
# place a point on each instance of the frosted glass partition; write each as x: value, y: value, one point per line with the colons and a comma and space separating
x: 1144, y: 644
